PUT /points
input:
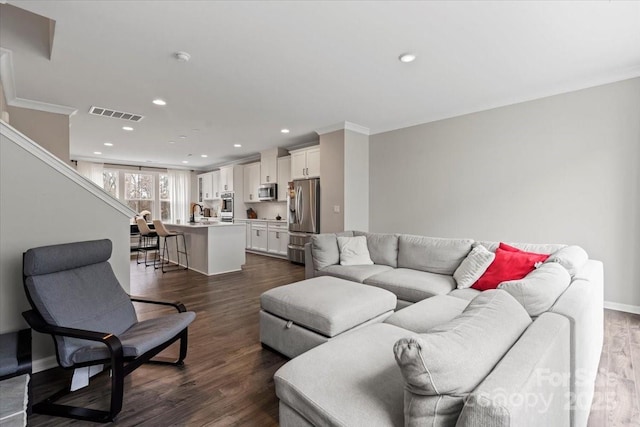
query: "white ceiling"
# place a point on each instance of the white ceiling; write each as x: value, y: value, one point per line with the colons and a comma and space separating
x: 257, y: 67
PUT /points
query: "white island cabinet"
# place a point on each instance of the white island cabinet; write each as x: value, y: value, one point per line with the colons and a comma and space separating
x: 213, y: 248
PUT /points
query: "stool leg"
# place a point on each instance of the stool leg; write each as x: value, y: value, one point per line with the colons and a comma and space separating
x: 186, y: 256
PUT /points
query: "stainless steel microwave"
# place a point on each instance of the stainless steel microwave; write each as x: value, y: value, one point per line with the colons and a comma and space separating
x: 268, y: 192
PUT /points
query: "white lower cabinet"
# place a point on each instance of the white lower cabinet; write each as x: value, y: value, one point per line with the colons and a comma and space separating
x: 270, y: 237
x: 259, y: 237
x: 278, y: 241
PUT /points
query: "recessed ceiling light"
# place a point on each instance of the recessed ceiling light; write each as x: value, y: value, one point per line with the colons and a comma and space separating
x: 284, y: 130
x: 159, y: 101
x: 172, y: 142
x: 237, y: 145
x: 185, y: 162
x: 183, y: 56
x: 128, y: 128
x: 97, y: 152
x: 108, y: 144
x: 407, y: 57
x: 203, y: 155
x: 183, y: 137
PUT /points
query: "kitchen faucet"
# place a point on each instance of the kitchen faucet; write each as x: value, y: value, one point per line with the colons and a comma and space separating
x: 193, y: 212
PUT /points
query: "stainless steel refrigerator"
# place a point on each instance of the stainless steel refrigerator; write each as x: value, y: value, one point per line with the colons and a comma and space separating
x: 304, y: 215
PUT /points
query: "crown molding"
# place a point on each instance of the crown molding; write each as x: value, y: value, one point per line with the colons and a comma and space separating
x: 9, y: 85
x: 344, y: 126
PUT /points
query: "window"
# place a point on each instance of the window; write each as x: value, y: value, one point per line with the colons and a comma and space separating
x: 110, y: 182
x: 138, y: 191
x: 165, y: 198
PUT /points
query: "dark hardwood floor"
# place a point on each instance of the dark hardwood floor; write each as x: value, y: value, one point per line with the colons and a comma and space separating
x: 227, y: 379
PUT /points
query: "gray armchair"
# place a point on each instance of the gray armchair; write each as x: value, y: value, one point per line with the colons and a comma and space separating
x: 76, y: 298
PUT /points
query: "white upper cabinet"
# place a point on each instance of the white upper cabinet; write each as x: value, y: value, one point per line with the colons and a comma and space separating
x: 215, y: 184
x: 205, y: 184
x: 269, y: 164
x: 284, y: 176
x: 226, y: 178
x: 251, y: 182
x: 305, y: 163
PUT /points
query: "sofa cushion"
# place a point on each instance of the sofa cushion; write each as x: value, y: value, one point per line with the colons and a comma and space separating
x: 426, y: 314
x: 540, y: 289
x: 473, y: 266
x: 509, y: 264
x: 324, y: 248
x: 572, y: 258
x: 355, y: 273
x: 466, y: 294
x: 443, y: 366
x: 352, y: 380
x: 383, y: 248
x: 412, y: 285
x: 432, y: 254
x: 353, y: 250
x: 539, y: 248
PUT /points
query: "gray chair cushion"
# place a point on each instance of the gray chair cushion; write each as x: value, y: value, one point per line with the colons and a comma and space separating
x: 383, y: 248
x: 444, y: 365
x: 50, y: 259
x: 432, y: 254
x: 427, y: 314
x: 87, y: 298
x: 465, y: 294
x: 355, y: 273
x: 573, y: 258
x: 140, y: 338
x: 539, y: 248
x: 324, y: 248
x: 351, y: 380
x: 327, y: 305
x: 412, y: 285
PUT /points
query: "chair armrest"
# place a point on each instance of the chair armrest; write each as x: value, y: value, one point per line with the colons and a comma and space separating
x: 177, y: 305
x: 36, y: 322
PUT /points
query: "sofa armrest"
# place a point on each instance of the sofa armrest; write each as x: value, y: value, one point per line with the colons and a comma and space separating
x: 309, y: 271
x: 530, y: 385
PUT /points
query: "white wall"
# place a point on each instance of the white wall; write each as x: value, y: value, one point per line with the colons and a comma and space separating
x: 332, y: 181
x: 356, y: 181
x: 560, y: 169
x: 40, y: 206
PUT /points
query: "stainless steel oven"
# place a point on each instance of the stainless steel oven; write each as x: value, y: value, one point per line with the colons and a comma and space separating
x: 226, y: 210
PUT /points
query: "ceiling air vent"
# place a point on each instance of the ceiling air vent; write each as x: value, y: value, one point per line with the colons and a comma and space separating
x: 106, y: 112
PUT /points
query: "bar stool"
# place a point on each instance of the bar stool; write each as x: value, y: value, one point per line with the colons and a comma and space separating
x: 149, y: 241
x: 165, y: 234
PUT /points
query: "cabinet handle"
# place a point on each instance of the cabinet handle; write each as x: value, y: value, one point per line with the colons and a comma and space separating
x: 267, y: 178
x: 250, y: 196
x: 257, y: 233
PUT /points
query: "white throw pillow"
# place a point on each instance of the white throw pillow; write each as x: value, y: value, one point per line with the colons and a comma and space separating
x: 540, y: 289
x: 473, y: 266
x: 354, y: 251
x: 570, y: 257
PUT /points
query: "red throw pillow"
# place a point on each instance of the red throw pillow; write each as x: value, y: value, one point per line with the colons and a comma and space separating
x: 508, y: 265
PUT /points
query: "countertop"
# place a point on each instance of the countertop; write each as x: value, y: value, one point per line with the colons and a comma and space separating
x: 282, y: 221
x: 205, y: 224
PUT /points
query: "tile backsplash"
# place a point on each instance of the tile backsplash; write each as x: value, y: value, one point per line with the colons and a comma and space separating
x: 267, y: 210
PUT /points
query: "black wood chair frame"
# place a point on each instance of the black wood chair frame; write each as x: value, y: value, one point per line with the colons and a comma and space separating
x: 120, y: 366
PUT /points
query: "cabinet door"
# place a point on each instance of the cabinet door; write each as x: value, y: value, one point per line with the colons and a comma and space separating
x: 259, y: 238
x: 226, y: 178
x: 268, y: 168
x: 313, y: 162
x: 248, y: 245
x: 298, y: 165
x: 200, y: 194
x: 207, y: 189
x: 215, y: 184
x: 283, y: 242
x: 284, y: 176
x: 251, y: 182
x: 273, y: 245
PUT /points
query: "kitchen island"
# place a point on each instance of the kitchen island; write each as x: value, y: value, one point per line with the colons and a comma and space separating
x: 213, y: 247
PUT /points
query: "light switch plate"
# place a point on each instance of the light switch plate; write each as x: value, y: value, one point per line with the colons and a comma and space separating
x: 336, y: 209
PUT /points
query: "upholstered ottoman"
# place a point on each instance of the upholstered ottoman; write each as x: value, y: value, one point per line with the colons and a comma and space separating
x: 297, y: 317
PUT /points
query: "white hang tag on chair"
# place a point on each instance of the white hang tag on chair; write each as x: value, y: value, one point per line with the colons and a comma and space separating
x: 81, y: 376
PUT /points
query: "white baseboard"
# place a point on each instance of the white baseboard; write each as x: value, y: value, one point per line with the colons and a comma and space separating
x: 43, y: 364
x: 622, y: 307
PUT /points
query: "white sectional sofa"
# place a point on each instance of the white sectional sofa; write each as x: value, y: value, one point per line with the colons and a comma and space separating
x: 544, y: 376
